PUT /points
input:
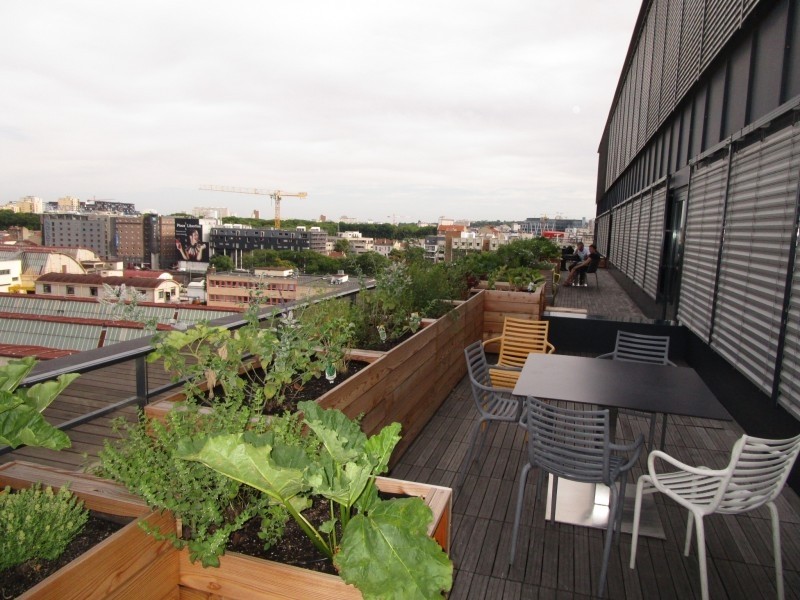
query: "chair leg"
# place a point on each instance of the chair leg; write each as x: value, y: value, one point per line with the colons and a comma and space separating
x: 637, y: 513
x: 474, y: 438
x: 701, y: 557
x: 613, y: 507
x: 553, y: 498
x: 688, y: 544
x: 776, y: 548
x: 651, y: 437
x: 523, y: 477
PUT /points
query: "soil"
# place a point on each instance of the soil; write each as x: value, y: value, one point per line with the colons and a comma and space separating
x: 294, y: 548
x: 15, y: 580
x: 313, y: 389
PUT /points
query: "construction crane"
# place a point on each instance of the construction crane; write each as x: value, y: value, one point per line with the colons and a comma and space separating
x: 276, y: 196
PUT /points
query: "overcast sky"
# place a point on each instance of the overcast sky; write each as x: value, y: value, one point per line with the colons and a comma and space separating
x: 407, y: 110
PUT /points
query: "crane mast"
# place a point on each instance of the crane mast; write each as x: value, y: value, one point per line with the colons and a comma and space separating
x: 276, y: 196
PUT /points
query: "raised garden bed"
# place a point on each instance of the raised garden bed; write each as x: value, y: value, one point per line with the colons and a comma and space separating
x: 132, y: 564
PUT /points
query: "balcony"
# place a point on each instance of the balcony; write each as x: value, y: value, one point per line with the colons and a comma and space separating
x: 553, y: 560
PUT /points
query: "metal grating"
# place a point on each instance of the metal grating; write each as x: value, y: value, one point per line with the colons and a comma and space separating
x: 691, y: 41
x: 723, y: 17
x: 655, y: 240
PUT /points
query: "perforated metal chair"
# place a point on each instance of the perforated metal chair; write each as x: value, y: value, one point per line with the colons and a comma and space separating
x: 641, y: 348
x: 520, y: 337
x: 494, y: 404
x: 755, y: 476
x: 576, y: 445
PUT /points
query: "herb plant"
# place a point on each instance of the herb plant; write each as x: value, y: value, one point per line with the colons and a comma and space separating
x: 38, y: 523
x: 380, y: 546
x: 210, y: 506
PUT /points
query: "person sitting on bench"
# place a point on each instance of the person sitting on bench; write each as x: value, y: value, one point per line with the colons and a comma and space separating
x: 581, y: 267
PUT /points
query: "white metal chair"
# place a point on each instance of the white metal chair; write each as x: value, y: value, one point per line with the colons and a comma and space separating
x: 493, y: 403
x: 755, y: 476
x: 641, y: 348
x: 576, y: 445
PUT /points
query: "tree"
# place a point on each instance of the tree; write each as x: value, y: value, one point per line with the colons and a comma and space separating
x: 9, y: 218
x: 222, y: 263
x: 342, y: 245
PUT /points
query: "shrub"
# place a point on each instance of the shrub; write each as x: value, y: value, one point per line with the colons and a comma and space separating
x: 38, y: 523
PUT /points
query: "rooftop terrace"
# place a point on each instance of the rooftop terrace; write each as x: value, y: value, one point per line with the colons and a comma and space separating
x: 553, y: 560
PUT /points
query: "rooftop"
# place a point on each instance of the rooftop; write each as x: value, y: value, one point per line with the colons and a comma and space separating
x: 553, y: 560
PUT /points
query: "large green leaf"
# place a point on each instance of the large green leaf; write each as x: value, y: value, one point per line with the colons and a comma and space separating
x: 42, y: 394
x: 12, y: 374
x: 25, y: 425
x: 393, y: 536
x: 341, y: 437
x: 379, y: 447
x: 255, y: 466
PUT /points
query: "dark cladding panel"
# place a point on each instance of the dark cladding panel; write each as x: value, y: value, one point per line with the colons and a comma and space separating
x: 793, y: 58
x: 737, y: 91
x: 768, y: 62
x: 716, y: 100
x: 686, y: 135
x: 698, y: 121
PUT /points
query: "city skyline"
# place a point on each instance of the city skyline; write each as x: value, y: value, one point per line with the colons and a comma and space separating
x: 450, y: 109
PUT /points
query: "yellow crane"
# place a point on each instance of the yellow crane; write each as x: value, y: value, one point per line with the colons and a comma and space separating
x: 276, y: 196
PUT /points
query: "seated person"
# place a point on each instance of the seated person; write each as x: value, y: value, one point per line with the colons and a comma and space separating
x: 580, y: 268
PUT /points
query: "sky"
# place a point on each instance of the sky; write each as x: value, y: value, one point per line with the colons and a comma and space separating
x: 384, y: 111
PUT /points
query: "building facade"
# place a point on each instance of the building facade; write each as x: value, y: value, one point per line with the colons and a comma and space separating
x: 234, y: 240
x: 241, y: 289
x: 95, y: 232
x: 697, y: 191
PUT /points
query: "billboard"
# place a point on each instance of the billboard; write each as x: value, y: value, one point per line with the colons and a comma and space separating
x: 189, y: 240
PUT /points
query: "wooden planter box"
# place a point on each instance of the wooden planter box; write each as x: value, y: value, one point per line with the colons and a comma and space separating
x: 409, y: 383
x: 498, y: 305
x: 132, y: 564
x: 127, y: 564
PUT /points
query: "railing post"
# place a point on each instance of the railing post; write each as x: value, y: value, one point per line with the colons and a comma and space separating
x: 142, y: 388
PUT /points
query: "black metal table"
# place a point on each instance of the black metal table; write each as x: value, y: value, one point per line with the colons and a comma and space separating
x: 614, y: 385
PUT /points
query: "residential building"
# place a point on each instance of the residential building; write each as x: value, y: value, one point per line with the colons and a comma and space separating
x: 234, y: 289
x: 435, y: 248
x: 358, y: 243
x: 35, y: 261
x: 217, y: 212
x: 233, y: 241
x: 10, y: 273
x: 92, y: 231
x: 697, y: 191
x: 384, y: 246
x: 87, y: 285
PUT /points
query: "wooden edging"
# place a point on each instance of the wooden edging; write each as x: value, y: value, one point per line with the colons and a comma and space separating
x: 101, y: 495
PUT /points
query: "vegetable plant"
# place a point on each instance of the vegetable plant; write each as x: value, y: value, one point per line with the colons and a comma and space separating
x: 380, y: 546
x: 21, y: 420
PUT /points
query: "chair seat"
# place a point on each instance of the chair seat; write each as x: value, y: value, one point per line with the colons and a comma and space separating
x: 502, y: 408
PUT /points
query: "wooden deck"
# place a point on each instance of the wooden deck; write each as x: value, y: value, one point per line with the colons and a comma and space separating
x: 553, y: 560
x: 563, y: 561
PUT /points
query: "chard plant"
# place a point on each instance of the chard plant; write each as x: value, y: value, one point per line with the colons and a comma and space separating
x: 21, y: 420
x: 380, y: 546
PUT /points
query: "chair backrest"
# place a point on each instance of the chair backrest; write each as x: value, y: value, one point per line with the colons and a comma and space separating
x: 520, y: 338
x: 477, y: 366
x: 574, y: 444
x: 758, y: 471
x: 638, y: 347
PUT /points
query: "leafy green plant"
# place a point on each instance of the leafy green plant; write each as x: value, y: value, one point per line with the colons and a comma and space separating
x: 210, y: 506
x: 329, y: 324
x: 37, y: 523
x: 287, y: 353
x: 380, y: 546
x: 21, y: 421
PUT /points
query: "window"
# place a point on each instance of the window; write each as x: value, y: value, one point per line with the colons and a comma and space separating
x: 93, y: 291
x: 161, y: 294
x: 46, y: 288
x: 70, y: 290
